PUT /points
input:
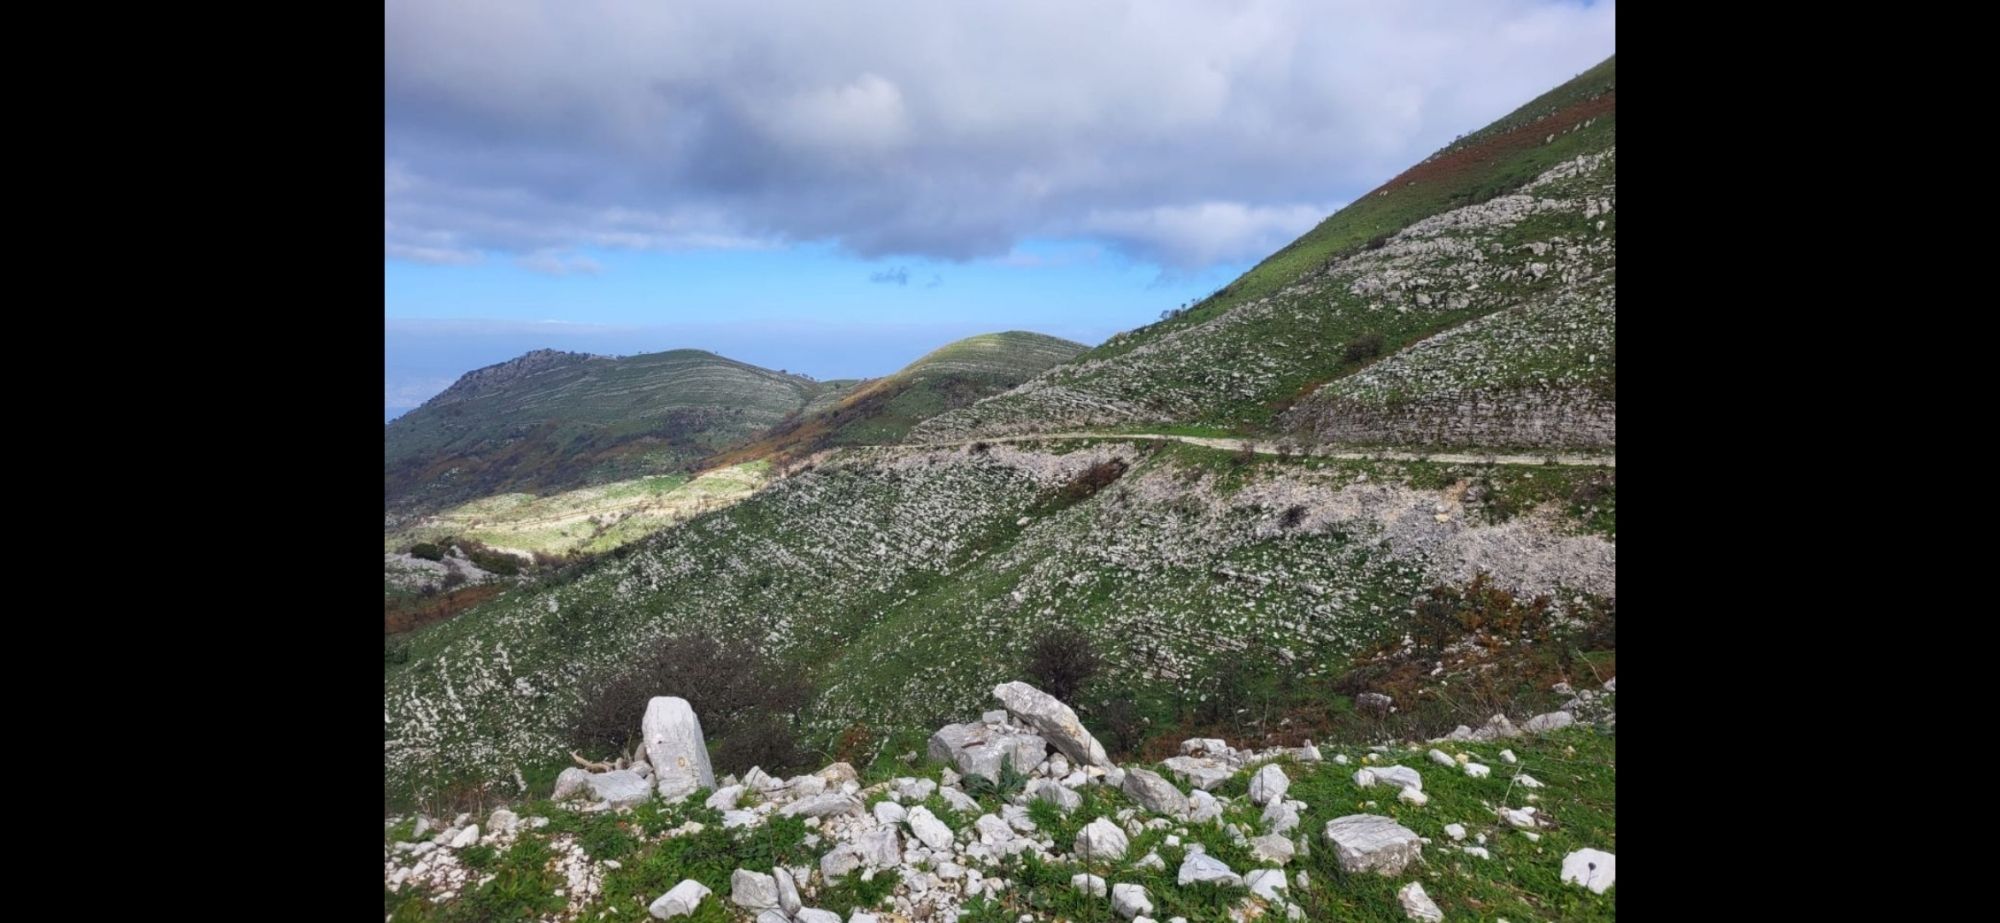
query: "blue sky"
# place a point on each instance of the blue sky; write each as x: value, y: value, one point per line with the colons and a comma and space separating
x: 836, y: 189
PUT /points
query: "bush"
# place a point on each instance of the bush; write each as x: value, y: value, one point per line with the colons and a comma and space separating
x: 1294, y: 515
x: 1364, y: 347
x: 732, y: 687
x: 1093, y: 479
x: 1061, y: 661
x: 429, y: 551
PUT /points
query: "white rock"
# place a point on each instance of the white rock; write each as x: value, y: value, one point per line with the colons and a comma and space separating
x: 1611, y: 685
x: 675, y: 748
x: 1203, y: 808
x: 1372, y: 843
x: 829, y: 804
x: 734, y: 819
x: 1101, y: 839
x: 1266, y: 883
x: 1200, y: 772
x: 1523, y: 818
x: 1281, y: 816
x: 466, y: 837
x: 858, y: 917
x: 889, y: 813
x: 1199, y: 867
x: 816, y: 915
x: 1130, y: 900
x: 1527, y: 781
x: 1402, y: 776
x: 1478, y: 852
x: 1053, y: 720
x: 1552, y: 721
x: 753, y: 890
x: 927, y: 828
x: 1478, y: 771
x: 725, y: 798
x: 1507, y: 756
x: 1442, y: 758
x: 1271, y: 847
x: 680, y: 901
x: 503, y: 821
x: 1340, y: 758
x: 1417, y: 905
x: 1156, y: 794
x: 880, y: 848
x: 1593, y: 868
x: 788, y: 891
x: 1413, y: 796
x: 959, y: 801
x: 1152, y: 861
x: 1065, y: 799
x: 1455, y: 831
x: 1089, y: 884
x: 569, y: 782
x: 1270, y: 782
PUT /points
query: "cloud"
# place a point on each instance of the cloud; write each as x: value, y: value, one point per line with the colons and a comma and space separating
x: 558, y: 264
x: 896, y: 276
x: 947, y: 131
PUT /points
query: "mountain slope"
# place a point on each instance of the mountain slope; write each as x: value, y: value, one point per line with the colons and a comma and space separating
x: 884, y: 410
x: 1518, y: 216
x: 551, y: 421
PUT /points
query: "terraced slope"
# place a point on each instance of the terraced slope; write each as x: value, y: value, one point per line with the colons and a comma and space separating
x: 899, y: 581
x: 1518, y: 217
x: 550, y: 421
x: 884, y: 410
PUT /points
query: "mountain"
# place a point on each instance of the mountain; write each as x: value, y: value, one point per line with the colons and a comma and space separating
x: 550, y: 421
x: 1468, y: 301
x: 884, y: 410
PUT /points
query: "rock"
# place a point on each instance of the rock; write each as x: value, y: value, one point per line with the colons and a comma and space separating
x: 1017, y: 818
x: 1455, y: 831
x: 1593, y: 868
x: 675, y: 747
x: 1308, y: 753
x: 816, y: 915
x: 1402, y: 776
x: 1496, y: 728
x: 880, y: 848
x: 1270, y: 782
x: 568, y: 782
x: 788, y: 891
x: 1541, y: 724
x: 992, y: 829
x: 1477, y: 852
x: 755, y: 780
x: 831, y: 803
x: 1522, y: 818
x: 1417, y: 905
x: 1088, y: 884
x: 1442, y: 758
x: 1373, y: 702
x: 1065, y: 799
x: 980, y: 750
x: 1527, y: 781
x: 1152, y: 861
x: 1413, y: 796
x: 1203, y: 808
x: 734, y: 819
x: 1130, y: 900
x: 753, y: 890
x: 1507, y: 756
x: 1053, y: 720
x: 1281, y: 816
x: 466, y: 837
x: 1058, y: 766
x: 1372, y: 843
x: 725, y: 798
x: 1460, y: 733
x: 958, y: 800
x: 889, y: 813
x: 773, y: 916
x: 1364, y: 778
x: 839, y: 861
x: 1200, y: 772
x: 503, y: 821
x: 680, y: 901
x: 1562, y: 689
x: 1101, y: 839
x: 621, y: 787
x: 1156, y: 794
x: 1611, y: 685
x: 1266, y: 883
x: 1199, y: 867
x: 1478, y: 771
x: 839, y: 774
x: 1271, y: 847
x: 856, y: 916
x: 800, y: 788
x: 928, y: 829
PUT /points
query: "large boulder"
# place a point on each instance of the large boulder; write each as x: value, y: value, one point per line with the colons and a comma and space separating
x: 680, y: 901
x: 1269, y: 783
x: 1053, y: 720
x: 753, y: 890
x: 675, y: 747
x: 1201, y: 772
x: 1592, y: 868
x: 1372, y: 843
x: 1154, y: 793
x: 980, y: 749
x: 622, y: 787
x: 1202, y: 867
x: 1101, y: 839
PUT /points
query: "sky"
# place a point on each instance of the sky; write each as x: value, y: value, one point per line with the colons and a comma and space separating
x: 836, y: 189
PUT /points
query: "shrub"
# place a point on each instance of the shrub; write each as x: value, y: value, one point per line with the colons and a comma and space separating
x: 979, y: 448
x: 1294, y: 515
x: 1093, y: 479
x: 731, y: 686
x: 1378, y: 241
x: 429, y: 551
x: 1061, y: 661
x: 1364, y: 347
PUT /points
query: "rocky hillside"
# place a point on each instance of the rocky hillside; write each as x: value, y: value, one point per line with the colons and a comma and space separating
x: 893, y: 581
x: 1467, y: 302
x: 884, y: 410
x: 551, y: 421
x: 1018, y: 814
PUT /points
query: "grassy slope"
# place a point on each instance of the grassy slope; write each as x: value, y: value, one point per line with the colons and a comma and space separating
x: 1240, y: 357
x: 581, y: 421
x: 884, y: 410
x: 590, y: 519
x: 899, y: 582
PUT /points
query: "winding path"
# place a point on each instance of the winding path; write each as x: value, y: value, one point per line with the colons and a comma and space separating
x: 1266, y: 447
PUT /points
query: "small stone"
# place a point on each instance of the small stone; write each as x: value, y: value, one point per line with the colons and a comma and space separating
x: 1269, y: 782
x: 466, y: 837
x: 1413, y: 796
x: 1554, y: 720
x: 1271, y: 847
x: 1592, y: 868
x: 1507, y: 756
x: 1477, y: 852
x: 1265, y: 883
x: 1417, y: 905
x: 1101, y: 839
x: 1088, y: 884
x: 1130, y: 900
x: 1478, y: 771
x: 680, y: 901
x: 753, y: 890
x: 1373, y: 843
x: 1527, y: 781
x: 1442, y: 758
x: 1200, y: 867
x: 1455, y: 831
x: 816, y: 915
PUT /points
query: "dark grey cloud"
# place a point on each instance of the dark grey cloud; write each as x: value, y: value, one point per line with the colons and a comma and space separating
x: 896, y: 276
x: 1179, y: 132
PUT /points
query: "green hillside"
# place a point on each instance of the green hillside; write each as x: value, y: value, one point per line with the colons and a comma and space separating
x: 550, y: 421
x: 1517, y: 217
